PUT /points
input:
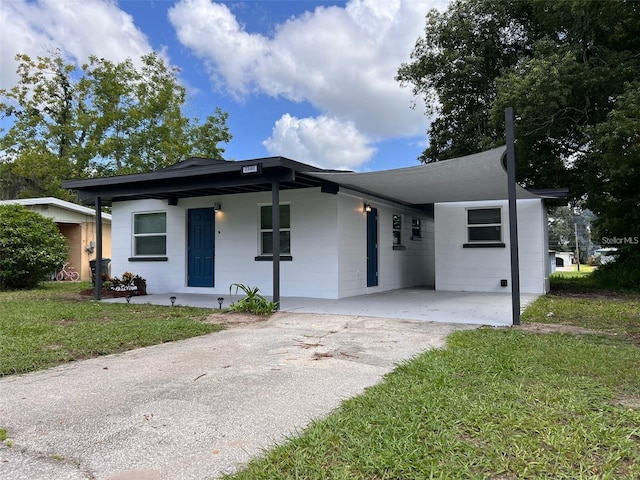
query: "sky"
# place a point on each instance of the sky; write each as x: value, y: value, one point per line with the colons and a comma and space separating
x: 309, y: 80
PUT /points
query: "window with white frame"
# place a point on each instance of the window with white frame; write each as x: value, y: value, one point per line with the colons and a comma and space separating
x: 149, y: 234
x: 397, y: 230
x: 266, y: 230
x: 484, y: 225
x: 416, y: 228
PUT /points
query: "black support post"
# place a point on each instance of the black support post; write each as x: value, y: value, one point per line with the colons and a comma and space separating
x: 513, y: 218
x: 275, y: 219
x: 98, y: 280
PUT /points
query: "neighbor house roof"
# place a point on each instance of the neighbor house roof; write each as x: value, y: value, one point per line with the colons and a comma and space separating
x: 475, y: 177
x: 45, y: 202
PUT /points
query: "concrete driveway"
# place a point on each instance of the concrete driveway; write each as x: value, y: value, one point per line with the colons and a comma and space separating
x: 200, y: 407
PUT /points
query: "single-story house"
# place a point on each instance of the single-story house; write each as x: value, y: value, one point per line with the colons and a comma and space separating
x: 564, y: 259
x: 78, y: 224
x: 201, y: 225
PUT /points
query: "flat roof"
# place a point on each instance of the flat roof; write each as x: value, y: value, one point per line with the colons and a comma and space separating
x: 481, y: 176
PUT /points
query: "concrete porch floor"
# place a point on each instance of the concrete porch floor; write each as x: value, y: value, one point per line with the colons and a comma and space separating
x: 492, y: 309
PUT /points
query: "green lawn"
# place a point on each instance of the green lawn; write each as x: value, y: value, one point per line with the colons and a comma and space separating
x: 52, y: 325
x: 494, y: 404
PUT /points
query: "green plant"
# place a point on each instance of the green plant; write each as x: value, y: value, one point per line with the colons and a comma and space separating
x: 253, y: 302
x: 128, y: 282
x: 31, y: 247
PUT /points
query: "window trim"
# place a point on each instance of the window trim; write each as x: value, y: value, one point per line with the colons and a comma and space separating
x: 142, y: 257
x: 261, y: 256
x: 494, y: 243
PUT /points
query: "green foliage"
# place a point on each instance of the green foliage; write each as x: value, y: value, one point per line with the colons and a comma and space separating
x: 623, y: 274
x: 103, y: 118
x: 49, y: 326
x: 128, y: 283
x: 31, y: 247
x: 253, y: 302
x: 570, y: 71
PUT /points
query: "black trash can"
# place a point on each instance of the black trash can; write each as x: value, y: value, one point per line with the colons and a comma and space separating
x: 104, y: 266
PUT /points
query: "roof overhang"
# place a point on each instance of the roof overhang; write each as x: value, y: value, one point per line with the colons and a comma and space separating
x: 481, y: 176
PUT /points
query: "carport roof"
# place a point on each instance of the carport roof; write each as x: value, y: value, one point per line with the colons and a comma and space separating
x: 481, y: 176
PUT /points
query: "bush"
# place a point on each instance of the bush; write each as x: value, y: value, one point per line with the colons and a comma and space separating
x: 623, y: 274
x: 253, y: 302
x: 31, y: 247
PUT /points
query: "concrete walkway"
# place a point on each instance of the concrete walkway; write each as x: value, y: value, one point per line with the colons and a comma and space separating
x: 492, y: 309
x: 194, y: 409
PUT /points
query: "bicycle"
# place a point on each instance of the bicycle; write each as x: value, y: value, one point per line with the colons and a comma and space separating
x: 67, y: 273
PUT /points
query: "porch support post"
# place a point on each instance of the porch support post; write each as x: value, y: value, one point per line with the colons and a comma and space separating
x: 98, y: 280
x: 275, y: 220
x: 513, y: 218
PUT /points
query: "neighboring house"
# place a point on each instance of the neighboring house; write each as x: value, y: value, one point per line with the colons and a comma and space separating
x: 202, y: 225
x: 564, y: 259
x: 78, y: 225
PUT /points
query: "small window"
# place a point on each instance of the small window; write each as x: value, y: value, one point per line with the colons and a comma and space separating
x: 397, y: 230
x: 484, y: 225
x: 149, y: 234
x: 416, y: 230
x: 266, y: 230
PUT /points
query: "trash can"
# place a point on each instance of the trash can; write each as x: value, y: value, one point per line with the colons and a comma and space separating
x: 104, y: 267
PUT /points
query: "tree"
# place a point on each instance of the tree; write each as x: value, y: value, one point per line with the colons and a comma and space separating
x: 104, y: 118
x: 31, y: 247
x: 560, y: 65
x: 570, y: 71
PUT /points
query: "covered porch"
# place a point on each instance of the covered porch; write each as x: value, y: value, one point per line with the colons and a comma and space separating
x: 422, y: 304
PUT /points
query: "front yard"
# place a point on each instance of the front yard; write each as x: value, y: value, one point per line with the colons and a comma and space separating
x: 558, y: 397
x: 53, y: 325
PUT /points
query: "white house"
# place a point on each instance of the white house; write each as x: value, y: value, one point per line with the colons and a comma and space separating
x: 201, y: 225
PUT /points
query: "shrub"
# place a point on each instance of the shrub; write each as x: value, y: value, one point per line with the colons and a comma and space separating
x: 253, y: 302
x: 128, y: 282
x: 31, y: 247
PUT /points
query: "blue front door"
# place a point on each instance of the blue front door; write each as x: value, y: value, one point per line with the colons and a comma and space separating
x: 372, y: 248
x: 201, y: 246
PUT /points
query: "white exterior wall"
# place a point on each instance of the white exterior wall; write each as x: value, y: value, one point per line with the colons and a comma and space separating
x: 328, y: 246
x: 312, y: 273
x: 481, y: 269
x: 409, y: 267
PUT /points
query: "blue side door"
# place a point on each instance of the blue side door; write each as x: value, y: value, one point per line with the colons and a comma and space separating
x: 372, y: 248
x: 201, y: 247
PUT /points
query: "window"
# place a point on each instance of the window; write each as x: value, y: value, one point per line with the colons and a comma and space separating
x: 149, y: 234
x: 266, y: 230
x: 397, y: 230
x: 416, y: 231
x: 484, y: 225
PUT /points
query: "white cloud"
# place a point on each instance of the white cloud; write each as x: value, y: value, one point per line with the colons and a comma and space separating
x: 79, y: 28
x: 341, y: 60
x: 322, y: 141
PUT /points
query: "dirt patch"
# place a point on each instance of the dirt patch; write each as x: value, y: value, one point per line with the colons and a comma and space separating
x: 557, y: 328
x: 236, y: 319
x: 627, y: 401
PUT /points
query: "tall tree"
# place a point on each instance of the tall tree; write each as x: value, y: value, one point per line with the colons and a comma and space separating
x: 560, y: 64
x: 570, y: 69
x: 101, y: 119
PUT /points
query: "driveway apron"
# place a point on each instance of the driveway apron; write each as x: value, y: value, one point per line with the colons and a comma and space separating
x: 197, y: 408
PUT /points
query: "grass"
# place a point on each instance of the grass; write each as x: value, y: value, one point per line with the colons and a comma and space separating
x: 496, y: 404
x: 52, y: 325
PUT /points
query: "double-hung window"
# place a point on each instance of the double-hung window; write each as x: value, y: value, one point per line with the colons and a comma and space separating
x: 484, y: 225
x: 149, y: 234
x: 266, y: 230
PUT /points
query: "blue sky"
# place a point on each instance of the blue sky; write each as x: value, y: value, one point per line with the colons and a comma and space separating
x: 309, y: 80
